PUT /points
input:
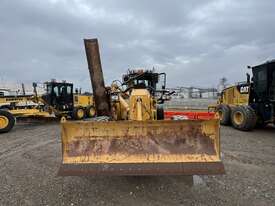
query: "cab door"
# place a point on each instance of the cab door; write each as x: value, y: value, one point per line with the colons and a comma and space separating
x: 65, y: 99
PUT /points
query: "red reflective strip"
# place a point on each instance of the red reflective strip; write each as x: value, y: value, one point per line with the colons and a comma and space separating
x: 190, y: 114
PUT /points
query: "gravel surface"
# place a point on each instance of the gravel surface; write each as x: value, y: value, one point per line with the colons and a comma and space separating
x: 30, y: 157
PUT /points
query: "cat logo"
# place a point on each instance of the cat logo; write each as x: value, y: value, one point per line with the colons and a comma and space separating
x: 244, y: 89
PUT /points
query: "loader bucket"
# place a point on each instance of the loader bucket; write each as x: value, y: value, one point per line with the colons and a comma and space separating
x: 165, y: 147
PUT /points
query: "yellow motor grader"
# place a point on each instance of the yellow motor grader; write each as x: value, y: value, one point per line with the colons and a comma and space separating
x: 59, y: 100
x: 130, y: 136
x: 250, y: 104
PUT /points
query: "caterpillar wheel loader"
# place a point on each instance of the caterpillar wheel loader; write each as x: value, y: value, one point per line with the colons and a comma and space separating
x: 129, y: 135
x: 58, y: 101
x: 252, y: 103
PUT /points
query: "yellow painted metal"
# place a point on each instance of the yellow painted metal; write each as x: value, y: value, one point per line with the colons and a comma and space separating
x: 80, y: 113
x: 4, y: 121
x: 79, y: 100
x: 238, y: 117
x: 141, y: 105
x: 63, y: 119
x: 136, y: 139
x: 15, y: 99
x: 138, y: 110
x: 123, y: 103
x: 82, y: 100
x: 92, y: 112
x: 29, y: 113
x: 164, y: 141
x: 232, y: 96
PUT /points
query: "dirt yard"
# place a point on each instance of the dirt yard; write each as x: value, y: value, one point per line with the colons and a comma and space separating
x: 30, y: 158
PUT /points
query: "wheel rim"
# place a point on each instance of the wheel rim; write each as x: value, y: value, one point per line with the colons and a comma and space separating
x: 80, y: 113
x: 63, y: 119
x: 92, y: 112
x: 238, y: 117
x: 4, y: 121
x: 220, y: 113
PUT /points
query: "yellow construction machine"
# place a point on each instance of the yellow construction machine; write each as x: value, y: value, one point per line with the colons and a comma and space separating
x: 59, y: 100
x: 130, y: 136
x: 250, y: 104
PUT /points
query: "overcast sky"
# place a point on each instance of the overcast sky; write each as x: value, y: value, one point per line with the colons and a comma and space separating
x: 194, y: 42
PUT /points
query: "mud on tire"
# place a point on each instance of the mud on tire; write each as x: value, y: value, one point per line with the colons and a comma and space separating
x: 78, y: 113
x: 90, y: 111
x: 243, y: 118
x: 224, y: 114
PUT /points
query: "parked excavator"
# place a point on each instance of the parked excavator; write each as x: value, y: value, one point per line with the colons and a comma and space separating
x: 250, y: 104
x: 130, y: 136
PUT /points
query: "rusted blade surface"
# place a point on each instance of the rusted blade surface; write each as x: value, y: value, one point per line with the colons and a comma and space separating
x: 141, y: 146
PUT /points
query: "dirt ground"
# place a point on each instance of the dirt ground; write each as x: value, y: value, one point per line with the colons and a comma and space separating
x: 30, y: 157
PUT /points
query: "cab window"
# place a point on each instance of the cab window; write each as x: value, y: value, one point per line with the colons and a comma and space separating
x: 55, y: 91
x: 69, y: 90
x: 49, y: 89
x: 261, y: 79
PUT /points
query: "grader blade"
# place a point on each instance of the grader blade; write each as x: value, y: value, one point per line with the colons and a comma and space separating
x: 184, y: 147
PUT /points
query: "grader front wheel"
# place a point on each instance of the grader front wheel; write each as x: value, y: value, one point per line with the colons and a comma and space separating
x: 90, y: 111
x: 78, y: 113
x: 6, y: 121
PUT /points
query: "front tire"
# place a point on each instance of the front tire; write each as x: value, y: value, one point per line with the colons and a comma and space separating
x: 7, y: 121
x: 224, y: 111
x: 243, y: 118
x: 78, y: 113
x: 91, y: 111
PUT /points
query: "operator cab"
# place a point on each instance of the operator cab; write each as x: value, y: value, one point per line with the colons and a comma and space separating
x: 154, y: 82
x: 148, y: 79
x: 59, y: 95
x: 262, y: 97
x: 264, y: 82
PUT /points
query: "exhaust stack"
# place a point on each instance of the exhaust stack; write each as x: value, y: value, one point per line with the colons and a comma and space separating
x: 102, y: 100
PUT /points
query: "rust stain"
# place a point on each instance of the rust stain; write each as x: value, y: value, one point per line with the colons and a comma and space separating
x: 183, y: 140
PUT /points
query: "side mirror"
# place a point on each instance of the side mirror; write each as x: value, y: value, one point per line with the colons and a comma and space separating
x: 248, y: 67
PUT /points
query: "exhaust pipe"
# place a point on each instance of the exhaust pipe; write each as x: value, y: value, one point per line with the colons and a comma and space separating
x: 101, y: 97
